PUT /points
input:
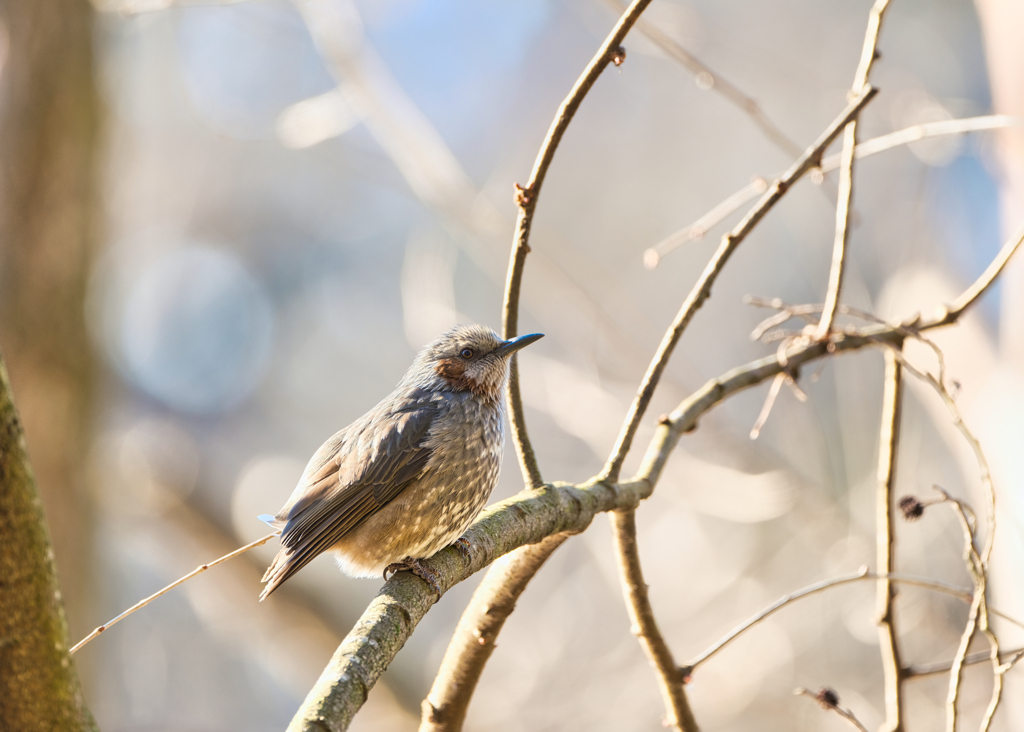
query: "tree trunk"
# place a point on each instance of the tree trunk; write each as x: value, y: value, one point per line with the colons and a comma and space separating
x: 39, y: 688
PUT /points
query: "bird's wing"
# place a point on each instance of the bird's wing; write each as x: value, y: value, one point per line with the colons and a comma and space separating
x: 354, y: 474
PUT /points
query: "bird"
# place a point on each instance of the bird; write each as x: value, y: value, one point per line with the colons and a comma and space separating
x: 407, y: 478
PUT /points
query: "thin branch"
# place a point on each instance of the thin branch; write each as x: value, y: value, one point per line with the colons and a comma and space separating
x: 952, y: 312
x: 533, y: 515
x: 708, y: 79
x: 198, y: 570
x: 862, y: 574
x: 869, y: 53
x: 892, y: 407
x: 444, y: 709
x: 769, y: 402
x: 977, y: 620
x: 788, y: 311
x: 844, y: 202
x: 829, y: 700
x: 697, y: 230
x: 645, y: 627
x: 702, y: 288
x: 527, y: 197
x: 983, y: 468
x: 932, y: 669
x: 865, y: 149
x: 845, y: 197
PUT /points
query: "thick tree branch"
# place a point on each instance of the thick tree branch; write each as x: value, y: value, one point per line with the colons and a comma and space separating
x: 527, y: 199
x: 444, y: 709
x: 702, y: 289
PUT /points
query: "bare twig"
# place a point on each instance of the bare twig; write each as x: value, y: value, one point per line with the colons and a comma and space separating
x: 198, y: 570
x: 708, y: 79
x: 769, y: 402
x: 445, y: 707
x: 952, y: 312
x: 863, y: 574
x: 977, y: 620
x: 892, y: 401
x: 702, y: 288
x: 828, y: 699
x: 527, y: 199
x: 931, y: 669
x: 983, y: 468
x: 845, y: 197
x: 867, y: 148
x: 788, y: 311
x: 641, y: 614
x: 844, y: 201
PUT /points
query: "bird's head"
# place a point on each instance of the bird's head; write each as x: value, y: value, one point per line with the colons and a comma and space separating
x: 470, y: 358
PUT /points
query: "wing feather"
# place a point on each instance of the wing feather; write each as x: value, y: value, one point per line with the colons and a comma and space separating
x: 352, y: 476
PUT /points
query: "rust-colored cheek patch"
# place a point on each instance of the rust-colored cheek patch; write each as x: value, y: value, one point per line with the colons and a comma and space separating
x: 454, y: 370
x: 451, y: 368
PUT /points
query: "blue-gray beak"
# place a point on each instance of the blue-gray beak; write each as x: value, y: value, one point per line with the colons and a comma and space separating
x: 514, y: 344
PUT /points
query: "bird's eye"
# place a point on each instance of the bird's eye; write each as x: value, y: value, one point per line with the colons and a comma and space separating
x: 466, y: 353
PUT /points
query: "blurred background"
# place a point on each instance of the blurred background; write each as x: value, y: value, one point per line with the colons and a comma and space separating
x: 228, y: 227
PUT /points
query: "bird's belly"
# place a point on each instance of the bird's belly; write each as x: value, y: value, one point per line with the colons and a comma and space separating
x: 426, y: 517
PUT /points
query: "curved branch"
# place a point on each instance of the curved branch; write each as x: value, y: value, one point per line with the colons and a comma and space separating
x: 444, y: 709
x: 862, y: 574
x: 526, y: 197
x: 702, y: 288
x: 641, y: 615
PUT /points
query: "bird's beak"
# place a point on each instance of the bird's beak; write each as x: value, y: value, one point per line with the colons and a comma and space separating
x: 514, y: 344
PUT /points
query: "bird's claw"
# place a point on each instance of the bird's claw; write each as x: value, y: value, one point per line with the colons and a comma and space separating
x: 464, y: 548
x: 417, y: 568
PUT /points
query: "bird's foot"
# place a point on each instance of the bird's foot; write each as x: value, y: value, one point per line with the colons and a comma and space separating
x: 417, y: 568
x: 464, y: 548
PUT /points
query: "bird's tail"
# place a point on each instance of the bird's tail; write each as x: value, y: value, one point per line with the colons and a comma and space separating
x: 275, y: 572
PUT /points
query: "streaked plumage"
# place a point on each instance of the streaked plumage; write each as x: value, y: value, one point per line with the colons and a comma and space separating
x: 407, y: 478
